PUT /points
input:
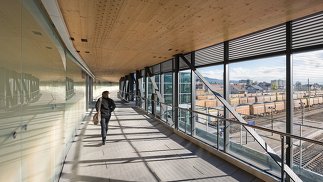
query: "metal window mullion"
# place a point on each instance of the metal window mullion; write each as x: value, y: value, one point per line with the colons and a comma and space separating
x: 226, y: 94
x: 91, y: 89
x: 146, y: 91
x: 289, y: 95
x: 176, y: 90
x: 137, y: 94
x: 193, y: 92
x: 87, y: 91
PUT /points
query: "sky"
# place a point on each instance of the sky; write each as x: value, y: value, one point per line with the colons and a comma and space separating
x: 305, y: 65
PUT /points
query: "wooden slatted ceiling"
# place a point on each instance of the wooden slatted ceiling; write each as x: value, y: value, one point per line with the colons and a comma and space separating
x: 125, y: 35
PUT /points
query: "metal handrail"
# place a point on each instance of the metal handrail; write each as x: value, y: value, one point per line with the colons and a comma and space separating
x: 243, y: 124
x: 277, y: 159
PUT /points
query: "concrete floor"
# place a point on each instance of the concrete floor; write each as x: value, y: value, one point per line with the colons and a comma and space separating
x: 141, y: 149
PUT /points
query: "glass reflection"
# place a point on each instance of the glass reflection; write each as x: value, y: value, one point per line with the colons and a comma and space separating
x: 185, y: 95
x: 42, y: 96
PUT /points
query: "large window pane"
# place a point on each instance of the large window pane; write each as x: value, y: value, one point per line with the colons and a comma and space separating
x: 209, y: 128
x: 308, y: 112
x: 167, y: 94
x: 185, y: 89
x: 257, y: 93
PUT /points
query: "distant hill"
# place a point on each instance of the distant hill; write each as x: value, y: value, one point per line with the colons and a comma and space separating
x: 214, y: 80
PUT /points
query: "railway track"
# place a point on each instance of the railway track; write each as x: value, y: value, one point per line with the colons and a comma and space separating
x: 312, y: 155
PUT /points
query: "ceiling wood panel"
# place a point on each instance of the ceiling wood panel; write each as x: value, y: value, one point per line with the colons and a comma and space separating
x: 125, y: 35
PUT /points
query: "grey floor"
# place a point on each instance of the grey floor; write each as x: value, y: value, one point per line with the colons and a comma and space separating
x: 141, y: 149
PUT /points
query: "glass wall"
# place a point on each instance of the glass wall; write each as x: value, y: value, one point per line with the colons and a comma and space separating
x: 185, y: 96
x: 150, y: 90
x: 167, y: 94
x: 257, y: 93
x: 157, y: 81
x: 308, y: 110
x: 42, y: 95
x: 206, y: 102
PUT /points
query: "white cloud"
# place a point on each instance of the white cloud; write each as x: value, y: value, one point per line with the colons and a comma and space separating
x: 257, y: 74
x: 305, y: 65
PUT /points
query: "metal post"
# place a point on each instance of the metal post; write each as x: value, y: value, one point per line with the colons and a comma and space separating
x: 90, y: 89
x: 217, y: 133
x: 309, y: 94
x: 282, y: 157
x: 246, y: 137
x: 241, y: 135
x: 226, y: 94
x: 87, y: 86
x: 301, y: 135
x: 146, y: 90
x: 193, y: 94
x: 289, y: 96
x: 207, y: 119
x: 271, y: 120
x: 176, y: 90
x: 166, y: 114
x: 137, y: 87
x: 185, y: 120
x: 153, y: 103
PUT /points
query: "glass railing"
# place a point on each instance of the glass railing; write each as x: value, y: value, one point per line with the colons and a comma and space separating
x: 208, y: 126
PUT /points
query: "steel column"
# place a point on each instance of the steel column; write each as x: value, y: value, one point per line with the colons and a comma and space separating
x: 146, y: 89
x: 226, y: 94
x: 231, y: 110
x: 289, y: 96
x: 137, y: 87
x: 193, y: 94
x: 176, y: 90
x: 87, y: 95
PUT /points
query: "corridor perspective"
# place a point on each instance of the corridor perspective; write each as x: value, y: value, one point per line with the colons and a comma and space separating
x: 206, y: 90
x: 139, y: 148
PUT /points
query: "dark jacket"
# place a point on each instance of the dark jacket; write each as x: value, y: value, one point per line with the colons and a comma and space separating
x: 107, y: 107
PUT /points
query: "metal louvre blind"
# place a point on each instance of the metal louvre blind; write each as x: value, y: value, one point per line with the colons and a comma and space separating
x: 307, y: 31
x: 156, y: 69
x: 182, y: 64
x: 209, y: 55
x: 167, y: 66
x: 264, y: 42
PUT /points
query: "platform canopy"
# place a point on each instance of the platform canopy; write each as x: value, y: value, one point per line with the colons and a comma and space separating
x: 116, y: 37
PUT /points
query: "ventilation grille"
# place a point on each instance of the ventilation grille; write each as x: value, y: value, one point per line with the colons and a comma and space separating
x: 307, y: 32
x: 156, y: 69
x: 264, y: 42
x: 213, y: 54
x: 167, y: 66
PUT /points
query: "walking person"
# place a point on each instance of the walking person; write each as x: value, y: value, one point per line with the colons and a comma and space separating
x: 107, y: 106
